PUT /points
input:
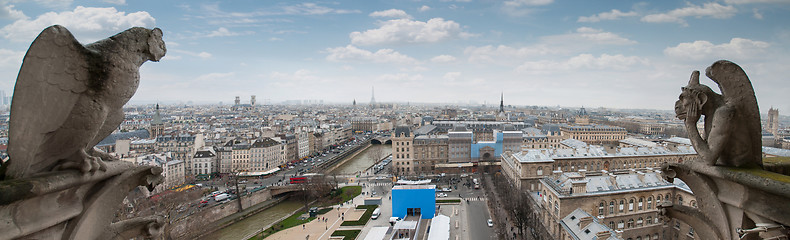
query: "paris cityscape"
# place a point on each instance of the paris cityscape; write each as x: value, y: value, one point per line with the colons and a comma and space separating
x: 424, y: 120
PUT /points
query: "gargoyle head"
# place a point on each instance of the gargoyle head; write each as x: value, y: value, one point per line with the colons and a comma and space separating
x: 693, y: 96
x: 156, y: 46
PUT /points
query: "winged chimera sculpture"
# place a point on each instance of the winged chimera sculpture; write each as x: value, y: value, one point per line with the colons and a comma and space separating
x: 732, y: 119
x: 68, y: 97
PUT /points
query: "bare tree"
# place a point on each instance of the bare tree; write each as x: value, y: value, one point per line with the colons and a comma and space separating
x: 376, y: 153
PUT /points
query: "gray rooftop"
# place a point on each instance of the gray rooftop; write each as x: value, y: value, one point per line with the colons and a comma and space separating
x: 572, y: 225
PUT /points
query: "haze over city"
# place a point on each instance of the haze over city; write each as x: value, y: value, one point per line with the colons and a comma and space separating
x: 538, y: 52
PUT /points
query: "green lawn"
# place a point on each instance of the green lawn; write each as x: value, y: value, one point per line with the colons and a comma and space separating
x: 349, y: 192
x: 346, y: 193
x: 365, y: 216
x: 289, y: 222
x: 448, y: 200
x: 347, y: 234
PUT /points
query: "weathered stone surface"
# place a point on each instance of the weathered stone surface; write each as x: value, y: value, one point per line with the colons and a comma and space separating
x: 67, y: 98
x: 736, y: 198
x: 732, y: 119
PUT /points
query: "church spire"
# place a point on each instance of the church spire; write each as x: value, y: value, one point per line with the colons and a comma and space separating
x: 502, y: 102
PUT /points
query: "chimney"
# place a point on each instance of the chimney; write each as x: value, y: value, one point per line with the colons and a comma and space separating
x: 613, y: 179
x: 583, y: 172
x: 557, y: 173
x: 584, y: 221
x: 603, y: 235
x: 641, y: 176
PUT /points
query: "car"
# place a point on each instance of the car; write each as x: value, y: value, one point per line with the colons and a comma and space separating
x: 204, y: 201
x: 373, y: 193
x: 490, y: 223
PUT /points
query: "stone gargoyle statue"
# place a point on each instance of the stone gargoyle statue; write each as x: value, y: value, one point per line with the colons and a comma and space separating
x: 732, y: 119
x: 68, y: 97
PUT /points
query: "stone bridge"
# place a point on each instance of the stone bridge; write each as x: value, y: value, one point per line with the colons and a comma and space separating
x: 381, y: 140
x: 277, y: 190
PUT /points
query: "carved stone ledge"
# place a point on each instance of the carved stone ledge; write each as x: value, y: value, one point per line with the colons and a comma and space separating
x: 70, y: 205
x: 731, y: 198
x: 704, y: 229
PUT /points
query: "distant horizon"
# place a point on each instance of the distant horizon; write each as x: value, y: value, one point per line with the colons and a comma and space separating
x: 622, y: 55
x: 364, y: 105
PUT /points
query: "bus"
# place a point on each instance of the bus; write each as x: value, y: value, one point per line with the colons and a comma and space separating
x: 304, y: 178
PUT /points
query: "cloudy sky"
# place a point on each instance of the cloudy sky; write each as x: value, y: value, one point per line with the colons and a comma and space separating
x: 618, y: 54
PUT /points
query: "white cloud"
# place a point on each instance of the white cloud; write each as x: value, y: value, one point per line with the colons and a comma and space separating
x: 391, y: 13
x: 313, y: 9
x: 8, y: 12
x: 11, y: 58
x: 584, y: 61
x: 400, y: 77
x: 754, y: 1
x: 400, y: 31
x: 711, y: 9
x: 490, y: 53
x: 118, y: 2
x: 443, y: 59
x: 596, y: 36
x: 757, y: 14
x: 274, y: 39
x: 451, y: 76
x: 299, y: 76
x: 351, y: 53
x: 84, y: 22
x: 519, y: 3
x: 611, y: 15
x: 737, y: 48
x: 224, y: 32
x: 581, y: 39
x: 203, y: 55
x: 424, y: 8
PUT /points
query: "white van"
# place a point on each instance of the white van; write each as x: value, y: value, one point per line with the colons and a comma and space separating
x: 376, y: 213
x: 221, y: 197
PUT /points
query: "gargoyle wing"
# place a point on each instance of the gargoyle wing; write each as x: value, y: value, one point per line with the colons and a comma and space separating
x: 737, y: 91
x: 54, y: 73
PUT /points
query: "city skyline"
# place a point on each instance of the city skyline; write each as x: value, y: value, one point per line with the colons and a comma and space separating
x: 632, y: 56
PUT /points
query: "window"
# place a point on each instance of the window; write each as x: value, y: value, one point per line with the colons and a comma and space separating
x: 639, y: 222
x: 611, y: 207
x: 630, y: 223
x: 680, y: 200
x: 639, y: 206
x: 649, y: 221
x: 631, y: 205
x: 649, y: 202
x: 621, y: 224
x: 622, y: 205
x: 600, y: 209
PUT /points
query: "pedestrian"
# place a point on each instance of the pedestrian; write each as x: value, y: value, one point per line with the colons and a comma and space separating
x: 302, y: 226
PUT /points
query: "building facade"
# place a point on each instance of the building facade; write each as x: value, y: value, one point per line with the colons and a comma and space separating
x: 625, y: 202
x: 429, y: 150
x: 595, y: 134
x: 402, y: 154
x: 204, y: 162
